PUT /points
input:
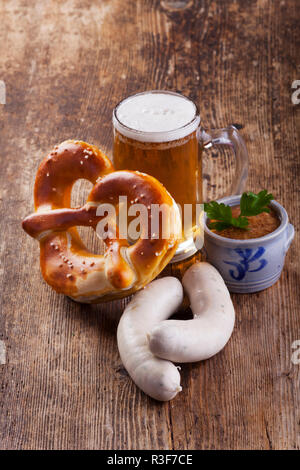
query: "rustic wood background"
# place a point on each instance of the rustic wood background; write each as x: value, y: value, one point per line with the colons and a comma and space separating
x: 65, y: 65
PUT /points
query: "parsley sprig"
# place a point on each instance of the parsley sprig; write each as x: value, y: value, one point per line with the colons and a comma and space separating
x: 250, y: 204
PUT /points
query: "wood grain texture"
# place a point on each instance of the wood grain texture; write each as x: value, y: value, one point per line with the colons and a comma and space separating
x: 65, y: 65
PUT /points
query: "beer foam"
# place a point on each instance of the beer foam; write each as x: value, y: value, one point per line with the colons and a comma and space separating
x: 156, y: 117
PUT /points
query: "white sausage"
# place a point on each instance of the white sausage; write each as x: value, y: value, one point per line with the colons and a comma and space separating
x: 156, y: 377
x: 211, y: 328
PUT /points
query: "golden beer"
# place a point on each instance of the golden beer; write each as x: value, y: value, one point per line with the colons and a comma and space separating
x: 156, y: 133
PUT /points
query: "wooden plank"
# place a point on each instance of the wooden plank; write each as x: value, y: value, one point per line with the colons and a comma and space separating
x: 65, y: 66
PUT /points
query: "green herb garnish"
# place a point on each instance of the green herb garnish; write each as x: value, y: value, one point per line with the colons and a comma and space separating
x: 250, y: 204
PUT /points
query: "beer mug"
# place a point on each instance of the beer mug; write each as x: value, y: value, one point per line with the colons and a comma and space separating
x: 159, y: 133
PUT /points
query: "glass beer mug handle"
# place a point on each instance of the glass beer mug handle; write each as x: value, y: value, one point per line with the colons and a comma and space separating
x: 231, y: 137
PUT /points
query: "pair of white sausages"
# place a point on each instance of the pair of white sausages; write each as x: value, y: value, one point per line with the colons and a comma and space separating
x: 149, y: 343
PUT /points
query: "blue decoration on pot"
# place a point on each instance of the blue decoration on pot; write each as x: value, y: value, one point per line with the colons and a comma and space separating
x: 247, y: 257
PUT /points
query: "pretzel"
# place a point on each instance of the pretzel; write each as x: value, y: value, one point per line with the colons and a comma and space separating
x: 66, y: 264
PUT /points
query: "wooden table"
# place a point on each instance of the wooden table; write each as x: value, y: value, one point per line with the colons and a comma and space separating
x: 65, y: 65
